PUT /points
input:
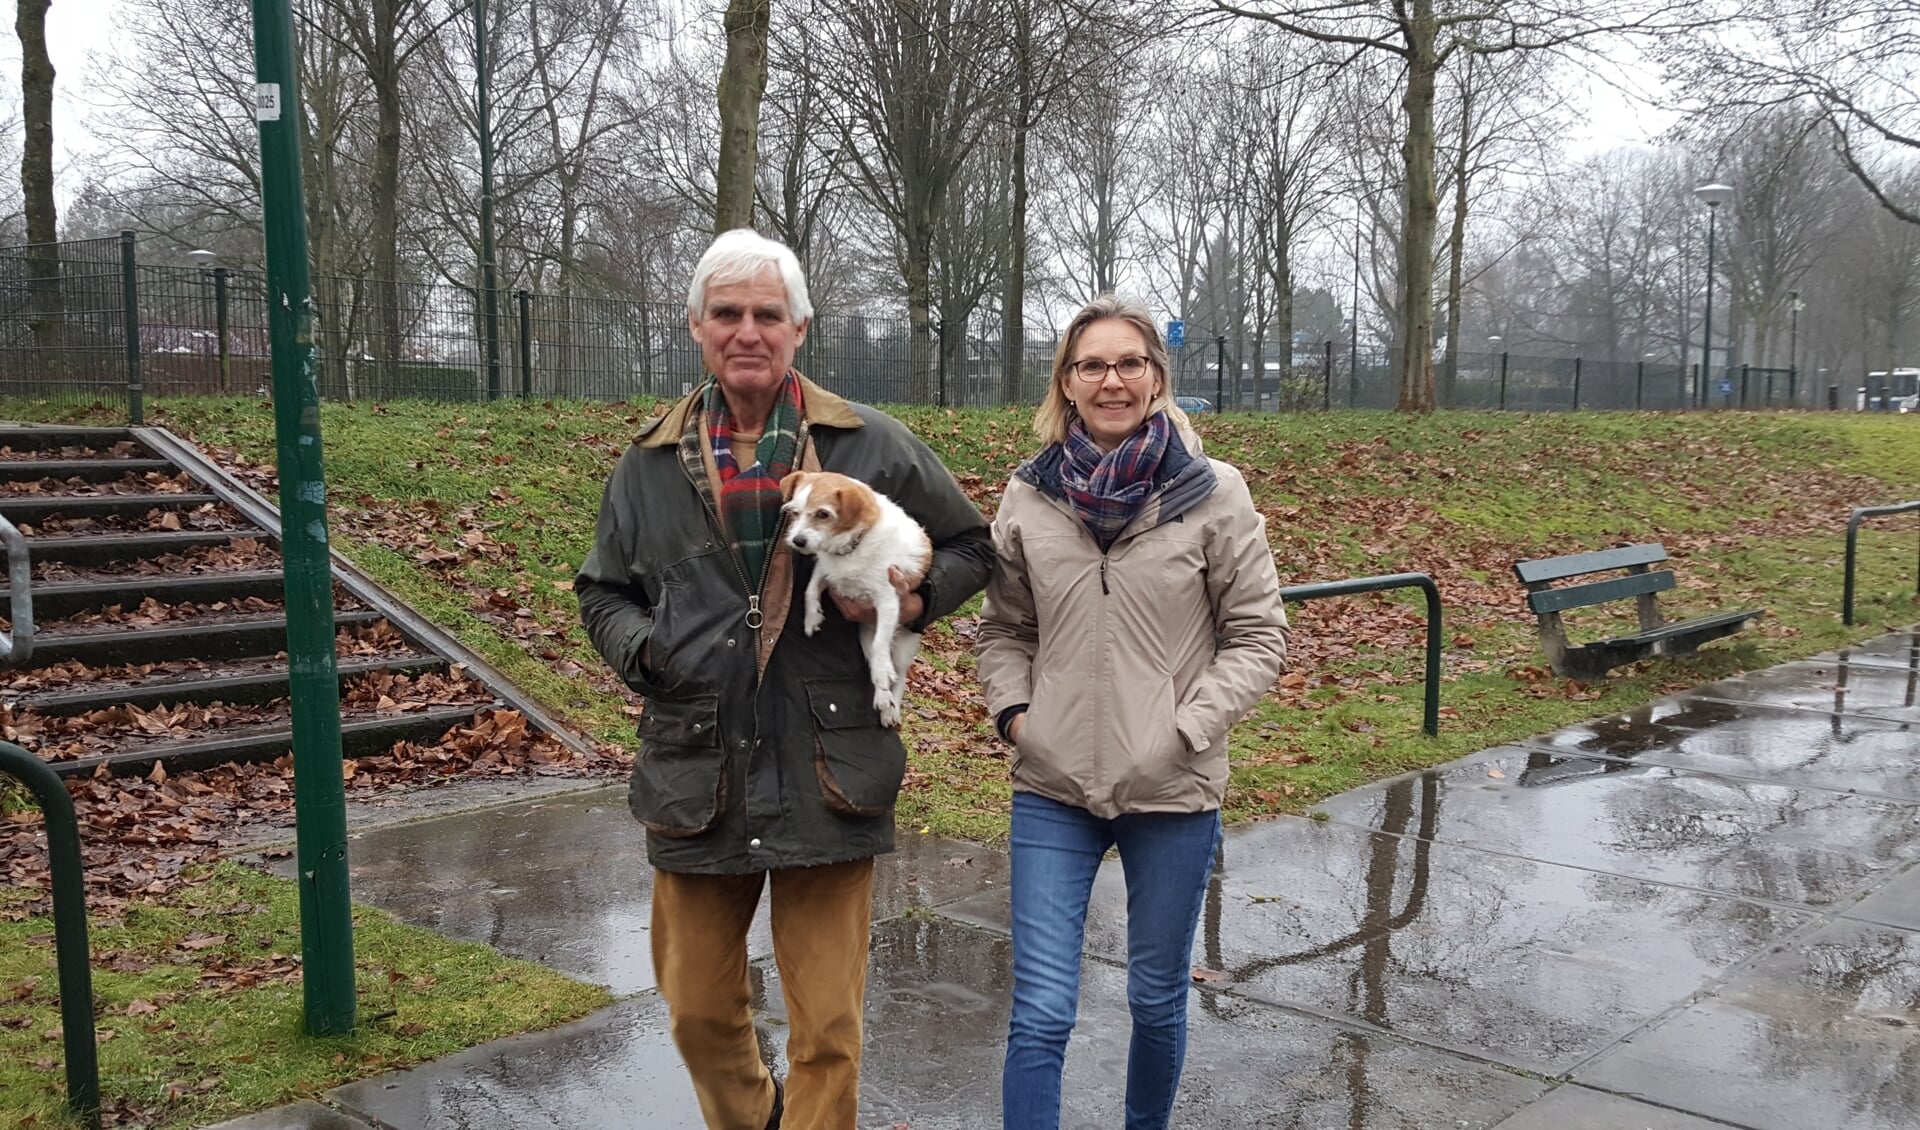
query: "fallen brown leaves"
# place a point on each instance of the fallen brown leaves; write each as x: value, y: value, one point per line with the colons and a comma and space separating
x: 206, y: 516
x: 138, y: 834
x: 238, y: 555
x: 150, y: 612
x: 124, y: 449
x: 152, y: 482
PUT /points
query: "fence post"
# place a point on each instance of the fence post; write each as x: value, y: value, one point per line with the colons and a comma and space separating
x: 1686, y: 372
x: 1793, y: 386
x: 1220, y: 373
x: 1326, y: 397
x: 220, y: 327
x: 130, y: 319
x: 1576, y: 384
x: 940, y: 364
x: 1745, y: 372
x: 525, y: 301
x: 1503, y: 380
x: 1833, y: 398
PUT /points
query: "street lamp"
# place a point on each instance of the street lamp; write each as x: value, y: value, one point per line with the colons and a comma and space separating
x: 1712, y: 195
x: 203, y: 259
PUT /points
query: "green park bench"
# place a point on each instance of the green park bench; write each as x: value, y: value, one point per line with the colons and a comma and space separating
x: 1656, y: 636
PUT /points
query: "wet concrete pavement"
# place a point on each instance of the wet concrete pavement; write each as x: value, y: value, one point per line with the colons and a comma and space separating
x: 1702, y: 913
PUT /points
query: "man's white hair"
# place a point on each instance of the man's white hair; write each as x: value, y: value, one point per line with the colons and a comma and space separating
x: 741, y: 255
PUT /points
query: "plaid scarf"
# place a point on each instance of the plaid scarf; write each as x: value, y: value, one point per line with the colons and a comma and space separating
x: 1108, y: 488
x: 750, y: 498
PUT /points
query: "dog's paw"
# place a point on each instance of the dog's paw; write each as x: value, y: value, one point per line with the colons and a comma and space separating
x: 889, y: 708
x: 814, y: 619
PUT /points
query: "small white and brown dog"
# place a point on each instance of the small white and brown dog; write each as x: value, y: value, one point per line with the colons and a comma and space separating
x: 855, y: 534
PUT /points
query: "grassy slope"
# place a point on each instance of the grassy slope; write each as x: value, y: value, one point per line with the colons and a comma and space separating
x: 1753, y: 507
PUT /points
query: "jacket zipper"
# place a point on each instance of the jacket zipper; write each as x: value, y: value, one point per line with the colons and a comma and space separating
x: 1104, y: 590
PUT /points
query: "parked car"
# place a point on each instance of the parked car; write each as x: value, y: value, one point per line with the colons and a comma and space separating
x: 1193, y: 405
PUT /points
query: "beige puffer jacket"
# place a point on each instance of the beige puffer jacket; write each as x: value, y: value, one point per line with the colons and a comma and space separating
x: 1133, y: 663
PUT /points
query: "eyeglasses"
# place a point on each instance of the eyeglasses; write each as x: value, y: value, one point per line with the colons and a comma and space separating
x: 1092, y: 371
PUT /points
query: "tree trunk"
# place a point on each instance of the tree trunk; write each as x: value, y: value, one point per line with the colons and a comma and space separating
x: 36, y: 89
x: 1416, y: 241
x: 36, y: 167
x: 1013, y: 327
x: 1013, y: 349
x: 384, y: 74
x: 1104, y: 239
x: 1457, y: 239
x: 920, y: 356
x: 743, y: 79
x: 1283, y: 321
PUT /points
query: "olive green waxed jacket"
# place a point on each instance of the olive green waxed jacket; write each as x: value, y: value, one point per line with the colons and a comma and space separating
x: 759, y: 745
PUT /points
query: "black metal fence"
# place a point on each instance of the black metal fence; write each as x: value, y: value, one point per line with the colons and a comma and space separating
x: 63, y: 325
x: 83, y: 322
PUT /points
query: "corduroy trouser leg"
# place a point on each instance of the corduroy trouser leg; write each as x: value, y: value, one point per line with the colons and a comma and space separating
x: 822, y: 920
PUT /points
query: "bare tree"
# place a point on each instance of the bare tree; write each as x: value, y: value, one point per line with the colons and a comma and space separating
x: 1502, y: 119
x: 1788, y: 183
x: 917, y: 82
x: 1092, y: 177
x: 1425, y: 37
x: 1846, y: 62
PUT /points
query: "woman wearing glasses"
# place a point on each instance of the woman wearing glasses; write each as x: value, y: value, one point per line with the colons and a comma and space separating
x: 1134, y: 617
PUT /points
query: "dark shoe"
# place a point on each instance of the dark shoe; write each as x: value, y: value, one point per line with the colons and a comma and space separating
x: 779, y: 1104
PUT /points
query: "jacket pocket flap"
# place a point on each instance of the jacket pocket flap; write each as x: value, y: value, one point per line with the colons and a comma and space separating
x: 842, y: 704
x: 692, y: 723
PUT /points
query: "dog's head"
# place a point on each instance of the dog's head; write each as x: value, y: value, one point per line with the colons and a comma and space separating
x: 826, y: 513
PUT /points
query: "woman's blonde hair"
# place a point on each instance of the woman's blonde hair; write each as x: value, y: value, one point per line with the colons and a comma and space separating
x: 1056, y: 410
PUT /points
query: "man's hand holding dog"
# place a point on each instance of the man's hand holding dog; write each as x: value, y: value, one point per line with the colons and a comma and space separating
x: 861, y: 612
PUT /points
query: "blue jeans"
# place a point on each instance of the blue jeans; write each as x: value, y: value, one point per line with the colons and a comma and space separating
x: 1056, y: 851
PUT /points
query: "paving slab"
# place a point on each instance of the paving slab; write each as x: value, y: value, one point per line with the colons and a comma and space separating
x: 1896, y: 903
x: 1895, y: 649
x: 937, y: 1005
x: 564, y: 881
x: 1730, y: 835
x: 1821, y: 749
x: 296, y: 1116
x: 1580, y: 1108
x: 1530, y: 964
x: 1838, y: 688
x: 1822, y: 1034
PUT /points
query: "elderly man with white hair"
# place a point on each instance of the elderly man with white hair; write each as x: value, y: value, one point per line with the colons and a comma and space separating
x: 762, y: 758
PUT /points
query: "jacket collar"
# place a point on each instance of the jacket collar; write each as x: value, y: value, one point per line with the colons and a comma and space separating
x: 823, y: 409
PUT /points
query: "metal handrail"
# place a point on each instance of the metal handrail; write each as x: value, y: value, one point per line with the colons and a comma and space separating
x: 1431, y: 714
x: 1853, y: 540
x: 69, y: 926
x: 17, y: 646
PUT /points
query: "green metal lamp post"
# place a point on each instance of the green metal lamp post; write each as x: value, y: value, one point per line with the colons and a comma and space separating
x: 320, y: 805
